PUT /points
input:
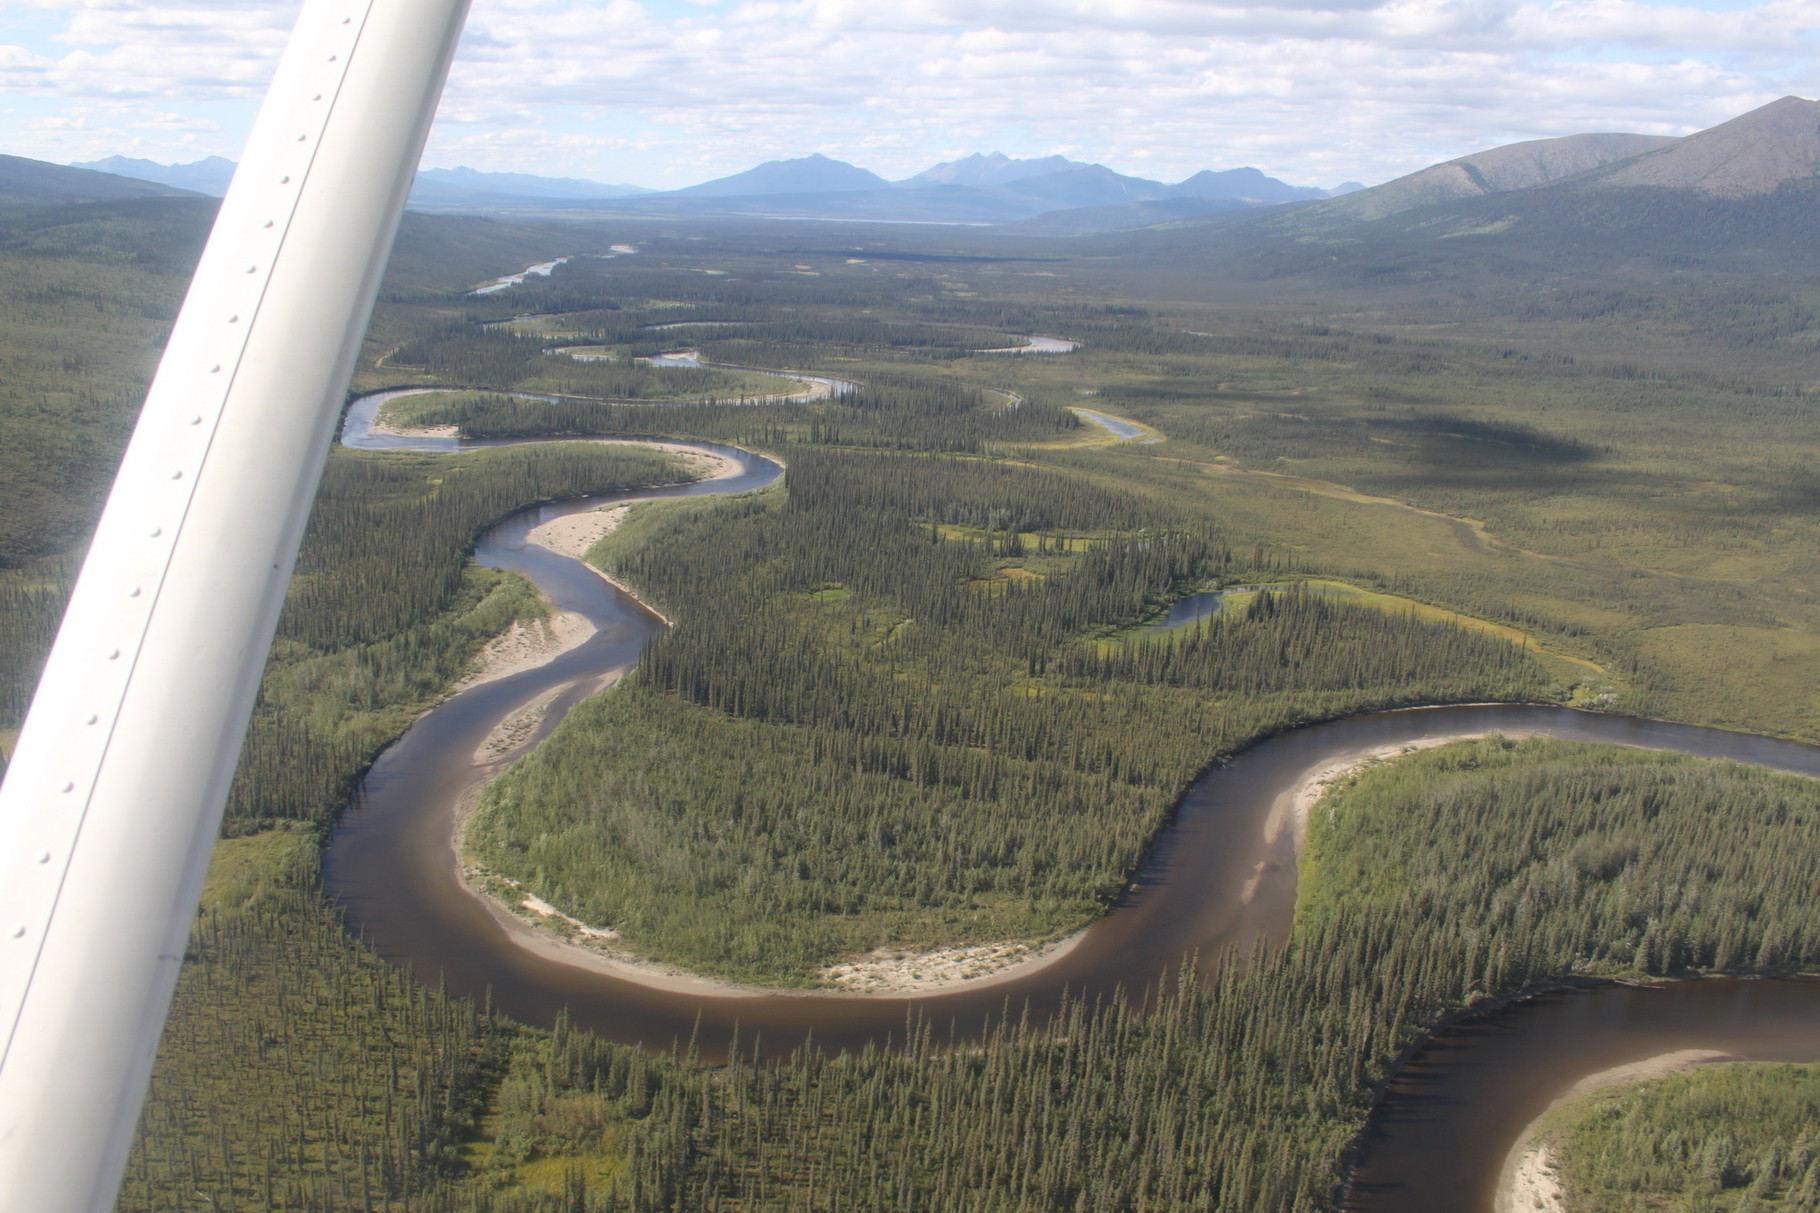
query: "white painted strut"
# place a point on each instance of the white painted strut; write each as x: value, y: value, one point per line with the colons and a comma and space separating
x: 112, y: 801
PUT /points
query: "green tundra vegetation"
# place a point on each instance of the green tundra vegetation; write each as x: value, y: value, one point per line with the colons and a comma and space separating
x: 1726, y: 1137
x: 502, y: 360
x: 922, y: 659
x: 1654, y: 518
x: 888, y: 411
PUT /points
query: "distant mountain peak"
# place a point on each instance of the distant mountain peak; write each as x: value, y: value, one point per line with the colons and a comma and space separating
x: 1249, y: 184
x: 811, y: 174
x: 209, y: 175
x: 992, y: 168
x: 1752, y: 154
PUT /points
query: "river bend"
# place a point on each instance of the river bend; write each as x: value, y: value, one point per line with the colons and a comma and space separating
x: 1217, y: 876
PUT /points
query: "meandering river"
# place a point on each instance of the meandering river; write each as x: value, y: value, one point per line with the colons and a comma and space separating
x: 1217, y: 875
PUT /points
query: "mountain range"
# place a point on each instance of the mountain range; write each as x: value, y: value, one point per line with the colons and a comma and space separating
x: 1755, y: 154
x: 979, y: 189
x: 1739, y: 202
x: 35, y: 182
x: 445, y: 188
x: 1604, y: 193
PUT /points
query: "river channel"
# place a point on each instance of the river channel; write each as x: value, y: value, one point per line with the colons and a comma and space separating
x: 1218, y: 875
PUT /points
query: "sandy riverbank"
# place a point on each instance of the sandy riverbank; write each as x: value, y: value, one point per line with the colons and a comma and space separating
x: 515, y: 730
x: 573, y: 534
x: 1529, y: 1182
x: 532, y: 923
x: 386, y: 429
x: 894, y: 972
x: 887, y: 972
x: 1294, y: 807
x: 525, y: 646
x: 546, y: 931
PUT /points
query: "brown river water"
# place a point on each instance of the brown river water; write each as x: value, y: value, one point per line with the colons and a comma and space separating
x: 1211, y: 880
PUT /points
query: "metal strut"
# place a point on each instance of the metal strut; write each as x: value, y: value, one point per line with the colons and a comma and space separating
x: 114, y: 796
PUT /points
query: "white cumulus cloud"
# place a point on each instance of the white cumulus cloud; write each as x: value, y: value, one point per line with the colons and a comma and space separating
x: 669, y: 92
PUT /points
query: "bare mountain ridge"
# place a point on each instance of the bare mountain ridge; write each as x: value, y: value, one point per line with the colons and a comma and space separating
x: 520, y: 185
x: 1515, y: 166
x: 816, y: 174
x: 36, y: 182
x: 1049, y: 183
x: 1738, y: 202
x: 1752, y: 154
x: 209, y: 175
x: 1252, y: 186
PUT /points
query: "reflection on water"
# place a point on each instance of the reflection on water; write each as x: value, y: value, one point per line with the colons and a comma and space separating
x: 1440, y: 1138
x: 1118, y: 427
x: 1192, y: 609
x: 542, y: 269
x: 1038, y: 345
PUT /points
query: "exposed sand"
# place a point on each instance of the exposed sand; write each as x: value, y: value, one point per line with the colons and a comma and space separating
x: 1531, y: 1187
x: 1529, y: 1182
x: 381, y: 426
x: 525, y: 646
x: 711, y: 466
x: 557, y: 937
x: 515, y: 729
x: 1294, y: 807
x: 883, y: 972
x: 544, y: 909
x: 892, y: 971
x: 544, y: 930
x: 573, y: 534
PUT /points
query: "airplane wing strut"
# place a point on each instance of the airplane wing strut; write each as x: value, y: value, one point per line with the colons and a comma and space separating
x: 114, y: 796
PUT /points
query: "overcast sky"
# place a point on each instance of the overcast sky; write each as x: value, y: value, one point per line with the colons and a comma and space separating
x: 671, y: 92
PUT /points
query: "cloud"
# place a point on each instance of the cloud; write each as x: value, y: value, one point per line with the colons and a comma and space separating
x: 673, y: 91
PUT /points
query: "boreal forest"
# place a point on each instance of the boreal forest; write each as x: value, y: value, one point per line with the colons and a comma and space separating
x: 1045, y: 543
